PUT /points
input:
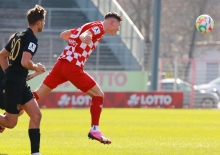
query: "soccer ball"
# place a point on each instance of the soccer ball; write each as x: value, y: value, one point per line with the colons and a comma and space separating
x: 204, y: 23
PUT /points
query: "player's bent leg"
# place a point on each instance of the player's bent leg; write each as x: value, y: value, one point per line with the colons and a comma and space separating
x: 95, y: 110
x: 95, y: 91
x: 8, y: 120
x: 85, y: 83
x: 2, y: 128
x: 42, y: 91
x: 33, y: 111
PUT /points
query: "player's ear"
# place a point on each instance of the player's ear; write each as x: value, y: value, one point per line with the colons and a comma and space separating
x: 38, y: 23
x: 112, y: 22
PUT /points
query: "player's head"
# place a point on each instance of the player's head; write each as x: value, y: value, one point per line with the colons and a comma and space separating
x: 113, y: 21
x: 36, y: 16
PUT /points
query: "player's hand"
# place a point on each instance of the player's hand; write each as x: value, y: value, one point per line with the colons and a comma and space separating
x: 87, y: 39
x: 34, y: 74
x: 40, y: 68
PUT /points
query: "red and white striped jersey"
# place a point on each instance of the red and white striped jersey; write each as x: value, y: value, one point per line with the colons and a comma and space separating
x: 78, y: 52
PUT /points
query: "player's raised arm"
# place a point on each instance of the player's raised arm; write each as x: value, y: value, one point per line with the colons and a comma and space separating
x: 65, y: 35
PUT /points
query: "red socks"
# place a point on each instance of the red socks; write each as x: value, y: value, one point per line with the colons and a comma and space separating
x: 35, y: 95
x: 96, y: 109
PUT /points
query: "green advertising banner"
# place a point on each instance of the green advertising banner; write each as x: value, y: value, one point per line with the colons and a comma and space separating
x: 111, y: 81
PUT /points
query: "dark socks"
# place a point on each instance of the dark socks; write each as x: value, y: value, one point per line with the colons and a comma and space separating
x: 34, y: 135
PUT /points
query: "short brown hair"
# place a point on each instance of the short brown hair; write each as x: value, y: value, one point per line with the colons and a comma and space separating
x: 114, y: 15
x: 35, y: 14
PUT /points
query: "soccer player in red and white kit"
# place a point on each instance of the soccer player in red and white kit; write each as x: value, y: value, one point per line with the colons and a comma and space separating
x: 70, y: 66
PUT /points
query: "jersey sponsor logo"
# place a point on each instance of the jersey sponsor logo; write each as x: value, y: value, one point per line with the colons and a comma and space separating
x: 96, y: 30
x: 72, y: 42
x: 32, y: 46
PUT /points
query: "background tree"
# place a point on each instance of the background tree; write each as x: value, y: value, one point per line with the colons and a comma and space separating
x: 178, y: 33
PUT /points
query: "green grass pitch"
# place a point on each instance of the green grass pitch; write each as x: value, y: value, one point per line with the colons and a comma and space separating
x: 132, y: 131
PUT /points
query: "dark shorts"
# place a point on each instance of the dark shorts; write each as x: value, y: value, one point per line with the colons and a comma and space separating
x: 2, y: 95
x: 17, y: 93
x: 64, y: 71
x: 2, y: 100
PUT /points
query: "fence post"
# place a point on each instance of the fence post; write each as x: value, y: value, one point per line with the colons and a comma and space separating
x: 131, y: 43
x: 175, y: 74
x: 193, y: 75
x: 160, y: 74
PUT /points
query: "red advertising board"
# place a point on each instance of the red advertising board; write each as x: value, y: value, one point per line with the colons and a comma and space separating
x: 114, y: 100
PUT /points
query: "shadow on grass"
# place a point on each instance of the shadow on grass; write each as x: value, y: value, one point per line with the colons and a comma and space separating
x: 3, y: 154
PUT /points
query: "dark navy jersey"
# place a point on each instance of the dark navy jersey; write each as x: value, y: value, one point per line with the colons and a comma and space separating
x: 1, y: 78
x: 23, y: 41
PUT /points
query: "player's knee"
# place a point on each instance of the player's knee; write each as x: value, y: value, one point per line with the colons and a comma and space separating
x: 99, y: 93
x: 36, y: 117
x: 12, y: 124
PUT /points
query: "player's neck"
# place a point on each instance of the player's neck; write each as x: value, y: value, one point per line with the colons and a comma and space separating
x: 34, y: 29
x: 105, y: 26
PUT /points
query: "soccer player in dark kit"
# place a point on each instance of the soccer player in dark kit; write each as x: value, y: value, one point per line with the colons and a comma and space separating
x: 16, y: 60
x: 2, y: 91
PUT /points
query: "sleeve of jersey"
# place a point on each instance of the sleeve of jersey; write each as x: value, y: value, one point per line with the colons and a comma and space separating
x: 74, y: 33
x: 96, y: 30
x: 8, y: 46
x: 30, y: 45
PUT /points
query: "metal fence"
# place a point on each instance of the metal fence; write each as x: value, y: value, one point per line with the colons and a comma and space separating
x: 197, y: 78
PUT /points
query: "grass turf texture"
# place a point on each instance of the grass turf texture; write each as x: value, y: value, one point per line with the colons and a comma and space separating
x: 132, y: 131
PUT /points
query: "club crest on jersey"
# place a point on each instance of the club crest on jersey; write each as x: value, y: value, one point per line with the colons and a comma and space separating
x: 96, y: 30
x: 32, y: 46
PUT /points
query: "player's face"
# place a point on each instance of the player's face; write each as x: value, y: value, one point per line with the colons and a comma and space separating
x: 41, y: 25
x: 115, y: 26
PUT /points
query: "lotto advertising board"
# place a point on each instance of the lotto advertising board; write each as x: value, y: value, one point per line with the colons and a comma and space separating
x: 109, y: 81
x: 114, y: 100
